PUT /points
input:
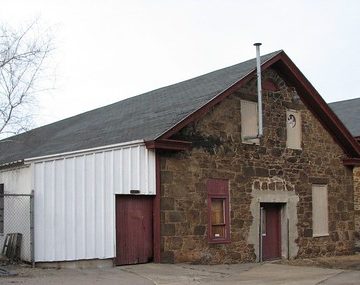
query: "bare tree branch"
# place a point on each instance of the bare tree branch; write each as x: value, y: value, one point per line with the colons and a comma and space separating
x: 22, y: 56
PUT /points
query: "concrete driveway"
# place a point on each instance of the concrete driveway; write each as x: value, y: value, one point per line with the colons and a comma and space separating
x: 187, y: 274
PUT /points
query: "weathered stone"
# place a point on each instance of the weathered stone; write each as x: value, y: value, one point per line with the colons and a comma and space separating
x: 199, y: 230
x: 218, y: 152
x: 262, y: 172
x: 249, y: 171
x: 257, y: 185
x: 340, y: 206
x: 167, y: 229
x: 167, y: 257
x: 167, y: 203
x: 276, y: 152
x: 308, y: 233
x: 175, y: 216
x: 356, y: 172
x: 174, y: 243
x: 291, y: 159
x: 166, y: 177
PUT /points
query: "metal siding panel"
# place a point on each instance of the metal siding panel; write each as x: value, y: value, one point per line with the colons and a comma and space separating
x: 99, y: 174
x: 134, y: 169
x: 59, y: 226
x: 108, y: 195
x: 116, y: 171
x: 70, y: 205
x: 145, y: 170
x: 90, y: 206
x: 143, y: 164
x: 39, y: 201
x: 49, y: 211
x: 79, y: 208
x: 126, y: 170
x: 152, y: 172
x: 121, y: 171
x: 75, y: 201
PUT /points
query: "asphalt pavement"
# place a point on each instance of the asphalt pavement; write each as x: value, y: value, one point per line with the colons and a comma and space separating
x: 148, y: 274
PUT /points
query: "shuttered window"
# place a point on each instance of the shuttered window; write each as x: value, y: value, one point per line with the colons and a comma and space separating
x: 293, y: 129
x: 218, y: 211
x: 320, y: 210
x: 249, y: 121
x: 1, y: 208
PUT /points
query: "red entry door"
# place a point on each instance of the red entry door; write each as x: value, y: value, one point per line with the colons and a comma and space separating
x: 134, y: 232
x: 271, y: 231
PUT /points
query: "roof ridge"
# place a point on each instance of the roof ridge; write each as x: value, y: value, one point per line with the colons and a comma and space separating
x: 346, y: 100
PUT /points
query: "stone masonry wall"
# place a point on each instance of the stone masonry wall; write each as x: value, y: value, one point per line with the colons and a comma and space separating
x: 218, y: 152
x: 357, y: 202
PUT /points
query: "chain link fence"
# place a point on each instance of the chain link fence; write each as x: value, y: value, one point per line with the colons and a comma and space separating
x: 17, y: 217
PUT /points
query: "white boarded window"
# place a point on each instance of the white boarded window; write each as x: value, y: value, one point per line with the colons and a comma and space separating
x: 249, y: 121
x: 293, y: 129
x: 320, y: 210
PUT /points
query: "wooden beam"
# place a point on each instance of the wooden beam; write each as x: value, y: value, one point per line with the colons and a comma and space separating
x: 166, y: 144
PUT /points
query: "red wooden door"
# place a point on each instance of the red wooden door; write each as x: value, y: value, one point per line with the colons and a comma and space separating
x: 271, y: 232
x: 134, y: 233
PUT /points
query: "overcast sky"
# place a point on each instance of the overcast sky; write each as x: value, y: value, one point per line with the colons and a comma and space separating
x: 109, y: 50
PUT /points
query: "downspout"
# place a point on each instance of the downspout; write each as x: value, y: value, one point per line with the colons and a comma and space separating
x: 259, y: 91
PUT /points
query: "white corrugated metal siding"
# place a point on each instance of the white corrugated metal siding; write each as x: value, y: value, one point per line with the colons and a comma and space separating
x: 75, y: 200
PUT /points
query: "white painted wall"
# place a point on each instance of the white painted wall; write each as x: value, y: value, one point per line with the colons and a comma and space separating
x: 75, y: 200
x: 17, y: 209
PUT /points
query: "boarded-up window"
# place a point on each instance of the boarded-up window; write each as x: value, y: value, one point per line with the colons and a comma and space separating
x: 218, y: 208
x: 320, y: 210
x: 249, y: 122
x: 1, y: 208
x: 293, y: 129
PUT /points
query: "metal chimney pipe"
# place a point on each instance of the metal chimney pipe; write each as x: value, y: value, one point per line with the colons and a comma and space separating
x: 258, y: 73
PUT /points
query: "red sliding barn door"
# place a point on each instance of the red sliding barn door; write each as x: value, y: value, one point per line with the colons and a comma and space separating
x: 134, y: 231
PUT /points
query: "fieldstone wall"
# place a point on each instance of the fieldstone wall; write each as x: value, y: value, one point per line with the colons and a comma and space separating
x: 218, y: 152
x: 357, y: 203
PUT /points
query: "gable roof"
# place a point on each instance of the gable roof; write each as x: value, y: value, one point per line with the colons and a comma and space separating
x: 144, y: 117
x: 158, y: 114
x: 348, y: 112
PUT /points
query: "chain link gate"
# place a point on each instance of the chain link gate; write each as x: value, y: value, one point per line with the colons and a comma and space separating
x: 17, y: 226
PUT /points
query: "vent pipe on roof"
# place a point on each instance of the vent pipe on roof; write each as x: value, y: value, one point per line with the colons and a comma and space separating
x: 258, y: 73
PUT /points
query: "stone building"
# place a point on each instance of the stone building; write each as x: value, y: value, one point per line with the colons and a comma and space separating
x: 348, y: 112
x: 294, y: 180
x: 179, y: 174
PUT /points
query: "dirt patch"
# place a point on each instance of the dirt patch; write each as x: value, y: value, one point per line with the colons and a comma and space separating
x: 348, y: 262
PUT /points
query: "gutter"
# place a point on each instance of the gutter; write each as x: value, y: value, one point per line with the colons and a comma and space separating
x: 12, y: 164
x: 83, y: 151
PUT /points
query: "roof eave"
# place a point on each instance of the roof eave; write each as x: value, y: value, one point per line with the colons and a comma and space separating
x: 12, y: 164
x: 351, y: 161
x: 165, y: 144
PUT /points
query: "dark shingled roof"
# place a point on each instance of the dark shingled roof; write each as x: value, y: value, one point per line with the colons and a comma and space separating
x: 348, y: 112
x: 145, y: 116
